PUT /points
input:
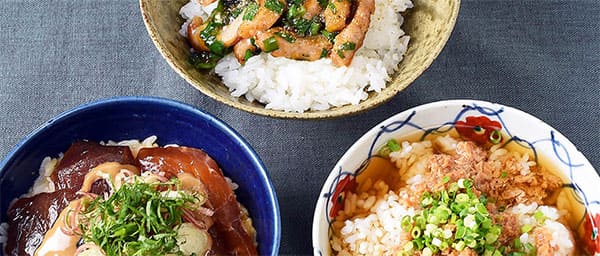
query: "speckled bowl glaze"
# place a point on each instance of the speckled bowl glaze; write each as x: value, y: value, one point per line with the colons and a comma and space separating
x: 429, y: 25
x: 137, y: 118
x: 532, y: 134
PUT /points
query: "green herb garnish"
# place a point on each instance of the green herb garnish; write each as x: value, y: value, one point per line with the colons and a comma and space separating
x: 495, y: 137
x: 458, y: 206
x: 323, y: 53
x: 204, y: 60
x: 391, y: 146
x: 270, y: 44
x: 329, y: 35
x: 331, y: 6
x: 287, y: 36
x: 250, y: 12
x: 248, y: 55
x: 347, y: 46
x: 274, y: 5
x: 137, y: 219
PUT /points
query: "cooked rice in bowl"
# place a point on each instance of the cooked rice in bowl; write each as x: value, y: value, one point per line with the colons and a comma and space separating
x: 297, y: 86
x: 371, y: 220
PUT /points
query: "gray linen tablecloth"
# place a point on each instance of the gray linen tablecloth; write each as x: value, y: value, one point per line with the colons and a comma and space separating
x: 541, y: 56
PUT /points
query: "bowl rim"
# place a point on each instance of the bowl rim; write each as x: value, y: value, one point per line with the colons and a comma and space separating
x: 370, y: 134
x: 221, y: 125
x: 334, y: 112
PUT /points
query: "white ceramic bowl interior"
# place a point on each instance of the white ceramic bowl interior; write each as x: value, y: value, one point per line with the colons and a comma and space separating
x: 442, y: 115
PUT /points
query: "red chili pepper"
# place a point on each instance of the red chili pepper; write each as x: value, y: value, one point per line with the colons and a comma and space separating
x: 478, y: 128
x: 591, y: 238
x: 337, y: 200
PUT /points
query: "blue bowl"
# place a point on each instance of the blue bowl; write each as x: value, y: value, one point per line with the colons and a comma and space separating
x: 137, y: 118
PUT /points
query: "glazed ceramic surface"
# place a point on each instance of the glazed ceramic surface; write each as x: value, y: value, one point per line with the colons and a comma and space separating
x: 137, y: 118
x: 541, y: 140
x: 429, y: 25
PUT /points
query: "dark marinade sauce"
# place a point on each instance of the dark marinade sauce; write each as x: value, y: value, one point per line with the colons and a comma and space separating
x: 29, y: 218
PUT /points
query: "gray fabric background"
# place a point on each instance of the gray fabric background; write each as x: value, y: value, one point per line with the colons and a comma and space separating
x: 541, y: 56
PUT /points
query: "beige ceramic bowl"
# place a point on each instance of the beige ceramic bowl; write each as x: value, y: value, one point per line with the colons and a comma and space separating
x: 429, y: 25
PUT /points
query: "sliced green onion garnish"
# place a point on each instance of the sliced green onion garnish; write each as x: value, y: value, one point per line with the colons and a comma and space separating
x: 217, y: 47
x: 251, y: 11
x: 539, y: 216
x: 248, y: 55
x: 274, y: 6
x: 458, y: 205
x: 270, y: 44
x: 406, y: 223
x: 446, y: 179
x: 393, y: 145
x: 331, y: 7
x: 287, y: 36
x: 348, y: 46
x: 323, y: 53
x: 415, y: 232
x: 526, y: 228
x: 495, y: 137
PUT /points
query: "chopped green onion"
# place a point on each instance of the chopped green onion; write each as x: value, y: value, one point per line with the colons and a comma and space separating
x: 270, y: 44
x: 460, y: 206
x: 251, y: 11
x: 495, y: 137
x: 137, y: 218
x: 274, y: 5
x: 530, y: 249
x: 287, y: 36
x: 393, y: 145
x: 539, y: 216
x: 329, y: 35
x: 526, y: 228
x: 446, y: 179
x: 331, y: 6
x: 462, y: 198
x: 406, y: 223
x: 314, y: 28
x: 217, y: 47
x: 415, y: 232
x: 204, y: 60
x: 296, y: 10
x: 324, y: 54
x: 248, y: 55
x: 348, y: 46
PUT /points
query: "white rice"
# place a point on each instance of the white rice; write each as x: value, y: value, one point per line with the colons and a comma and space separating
x: 376, y: 233
x: 298, y: 86
x: 561, y: 236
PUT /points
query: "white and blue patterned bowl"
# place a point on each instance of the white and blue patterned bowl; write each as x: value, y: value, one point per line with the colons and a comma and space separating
x: 522, y: 128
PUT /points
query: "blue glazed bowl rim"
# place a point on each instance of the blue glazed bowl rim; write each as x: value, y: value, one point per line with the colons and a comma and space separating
x: 222, y: 126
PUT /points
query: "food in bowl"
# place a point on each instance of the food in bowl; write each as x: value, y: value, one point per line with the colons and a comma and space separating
x: 130, y: 198
x: 300, y: 55
x: 449, y: 196
x: 459, y: 178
